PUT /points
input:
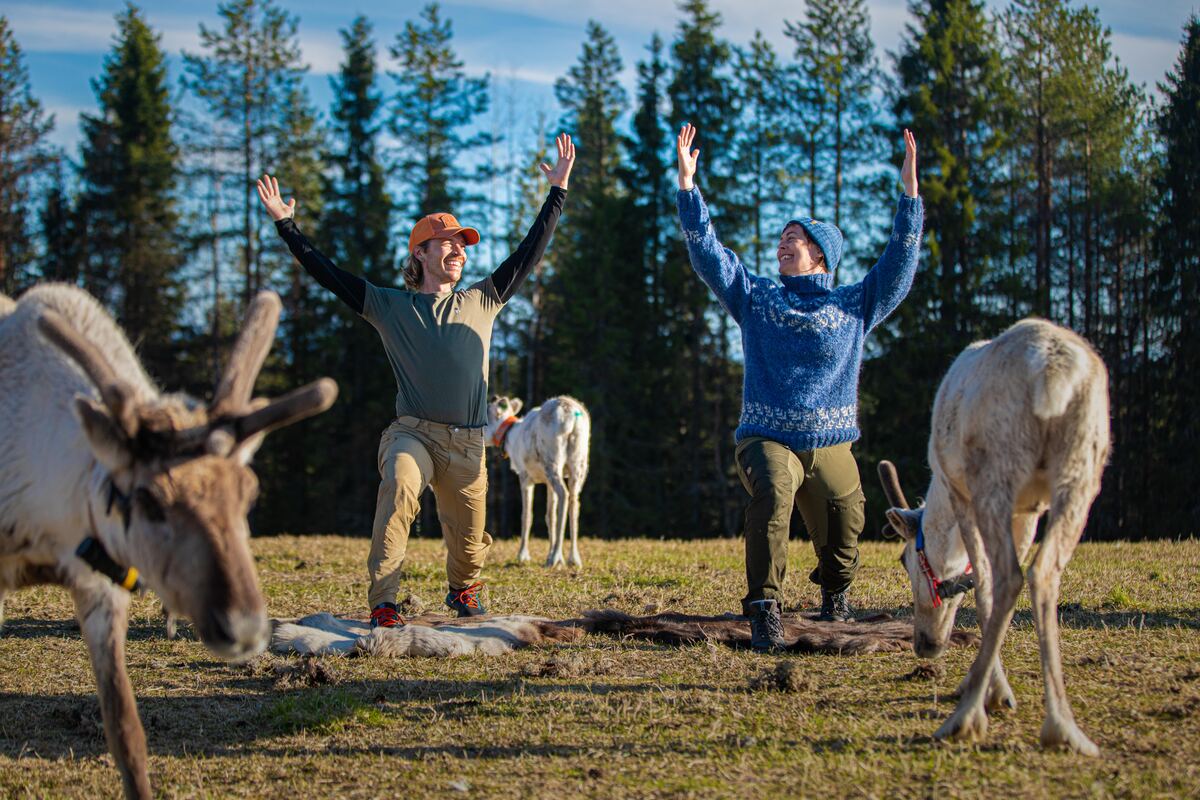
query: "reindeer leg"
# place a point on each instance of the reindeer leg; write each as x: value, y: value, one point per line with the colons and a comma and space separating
x: 1, y: 612
x: 103, y: 620
x: 994, y: 516
x: 1064, y: 527
x: 526, y: 518
x: 555, y: 556
x: 573, y: 501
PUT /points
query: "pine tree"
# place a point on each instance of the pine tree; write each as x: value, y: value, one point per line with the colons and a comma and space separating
x: 433, y: 104
x: 596, y: 296
x: 355, y: 233
x: 705, y: 389
x: 761, y: 144
x: 837, y: 105
x: 62, y: 244
x: 247, y: 76
x: 1177, y: 248
x: 951, y: 93
x: 24, y: 127
x: 128, y: 175
x: 648, y: 177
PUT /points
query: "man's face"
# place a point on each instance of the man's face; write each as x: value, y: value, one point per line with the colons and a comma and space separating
x: 445, y: 258
x: 798, y: 254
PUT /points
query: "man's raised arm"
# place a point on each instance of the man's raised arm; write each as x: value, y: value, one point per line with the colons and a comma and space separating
x: 351, y: 289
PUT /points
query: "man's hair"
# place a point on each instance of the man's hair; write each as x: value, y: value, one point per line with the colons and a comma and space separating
x: 413, y: 271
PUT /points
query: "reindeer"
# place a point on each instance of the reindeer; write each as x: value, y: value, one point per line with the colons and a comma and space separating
x: 550, y: 446
x: 1020, y: 427
x: 95, y: 460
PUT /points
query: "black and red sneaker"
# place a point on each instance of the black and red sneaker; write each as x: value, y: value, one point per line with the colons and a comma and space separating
x: 467, y: 602
x: 385, y: 615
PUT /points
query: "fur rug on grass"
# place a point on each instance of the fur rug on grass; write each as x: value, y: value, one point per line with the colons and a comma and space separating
x: 423, y: 636
x: 438, y: 636
x: 802, y: 632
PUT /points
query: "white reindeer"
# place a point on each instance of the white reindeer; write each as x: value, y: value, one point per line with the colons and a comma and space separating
x: 550, y: 446
x: 1020, y: 426
x: 92, y: 453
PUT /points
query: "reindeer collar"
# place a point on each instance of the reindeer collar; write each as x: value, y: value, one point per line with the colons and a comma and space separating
x: 119, y: 499
x: 93, y: 552
x: 502, y: 432
x: 940, y: 589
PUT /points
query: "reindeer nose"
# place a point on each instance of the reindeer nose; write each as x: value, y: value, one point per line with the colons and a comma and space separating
x: 237, y: 635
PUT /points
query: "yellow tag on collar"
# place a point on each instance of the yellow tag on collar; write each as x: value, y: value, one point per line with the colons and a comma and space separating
x: 131, y: 579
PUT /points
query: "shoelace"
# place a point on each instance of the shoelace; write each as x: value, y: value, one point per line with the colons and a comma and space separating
x: 386, y: 617
x: 469, y: 596
x: 773, y: 623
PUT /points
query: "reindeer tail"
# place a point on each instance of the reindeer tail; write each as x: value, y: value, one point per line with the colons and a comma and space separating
x: 575, y: 421
x: 7, y: 305
x: 1060, y: 367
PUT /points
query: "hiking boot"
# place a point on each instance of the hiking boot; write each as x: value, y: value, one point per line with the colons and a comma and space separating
x: 467, y: 602
x: 385, y: 615
x: 766, y: 626
x: 835, y: 607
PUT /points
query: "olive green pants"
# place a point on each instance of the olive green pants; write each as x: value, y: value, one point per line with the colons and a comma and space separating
x: 415, y: 453
x: 824, y: 487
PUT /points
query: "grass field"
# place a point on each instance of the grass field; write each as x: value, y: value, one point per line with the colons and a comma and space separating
x: 605, y: 718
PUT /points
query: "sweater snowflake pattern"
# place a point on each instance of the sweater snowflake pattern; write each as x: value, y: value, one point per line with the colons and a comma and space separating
x: 802, y: 342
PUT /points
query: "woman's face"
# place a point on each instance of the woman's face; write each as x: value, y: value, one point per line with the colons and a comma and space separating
x: 444, y: 259
x: 798, y: 254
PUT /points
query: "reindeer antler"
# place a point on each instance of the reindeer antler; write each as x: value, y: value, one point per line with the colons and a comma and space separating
x: 116, y: 393
x: 292, y: 407
x: 891, y: 485
x: 246, y: 360
x: 895, y: 495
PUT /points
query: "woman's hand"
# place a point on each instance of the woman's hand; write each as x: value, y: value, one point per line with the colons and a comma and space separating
x: 566, y: 159
x: 908, y: 172
x: 687, y: 156
x: 268, y: 192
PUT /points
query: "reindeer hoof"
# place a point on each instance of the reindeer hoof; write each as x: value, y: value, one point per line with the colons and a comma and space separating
x: 523, y: 557
x: 1000, y: 698
x: 964, y: 725
x: 576, y: 561
x: 1065, y: 735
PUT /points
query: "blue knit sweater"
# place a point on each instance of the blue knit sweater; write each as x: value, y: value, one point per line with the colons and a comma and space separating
x: 803, y: 341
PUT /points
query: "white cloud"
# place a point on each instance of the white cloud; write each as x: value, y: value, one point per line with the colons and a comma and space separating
x: 1147, y: 58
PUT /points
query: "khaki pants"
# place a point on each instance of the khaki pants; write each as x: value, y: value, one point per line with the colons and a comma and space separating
x: 415, y: 453
x: 824, y: 486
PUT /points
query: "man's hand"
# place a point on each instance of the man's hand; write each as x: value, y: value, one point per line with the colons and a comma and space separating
x: 268, y: 192
x: 687, y: 156
x: 908, y: 172
x: 566, y: 159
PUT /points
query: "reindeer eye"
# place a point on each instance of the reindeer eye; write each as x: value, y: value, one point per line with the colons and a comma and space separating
x: 150, y: 507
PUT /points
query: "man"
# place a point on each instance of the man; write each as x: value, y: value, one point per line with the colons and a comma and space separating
x: 802, y: 344
x: 436, y: 338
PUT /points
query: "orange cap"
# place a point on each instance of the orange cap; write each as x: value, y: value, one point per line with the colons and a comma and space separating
x: 439, y: 226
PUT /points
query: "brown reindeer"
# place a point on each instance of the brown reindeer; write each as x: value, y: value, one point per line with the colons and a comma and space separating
x: 94, y: 459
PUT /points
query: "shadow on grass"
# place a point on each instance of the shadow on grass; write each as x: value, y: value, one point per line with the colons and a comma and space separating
x: 34, y: 628
x: 69, y: 725
x: 1074, y: 615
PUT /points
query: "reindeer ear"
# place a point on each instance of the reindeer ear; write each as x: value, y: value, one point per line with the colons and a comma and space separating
x: 904, y: 522
x: 107, y: 440
x: 514, y: 406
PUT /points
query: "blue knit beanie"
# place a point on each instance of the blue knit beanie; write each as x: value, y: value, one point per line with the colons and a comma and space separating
x: 827, y: 237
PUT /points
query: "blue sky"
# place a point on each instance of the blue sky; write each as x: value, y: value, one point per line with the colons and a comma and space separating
x: 524, y: 44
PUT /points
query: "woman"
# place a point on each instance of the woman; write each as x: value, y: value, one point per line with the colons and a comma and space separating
x: 802, y: 343
x: 436, y: 338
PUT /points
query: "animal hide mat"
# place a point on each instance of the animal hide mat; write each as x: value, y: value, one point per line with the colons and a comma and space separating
x: 437, y: 636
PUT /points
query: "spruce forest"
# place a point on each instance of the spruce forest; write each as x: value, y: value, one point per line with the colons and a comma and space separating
x: 1053, y: 186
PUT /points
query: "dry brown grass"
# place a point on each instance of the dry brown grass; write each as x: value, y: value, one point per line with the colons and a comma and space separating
x: 606, y: 718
